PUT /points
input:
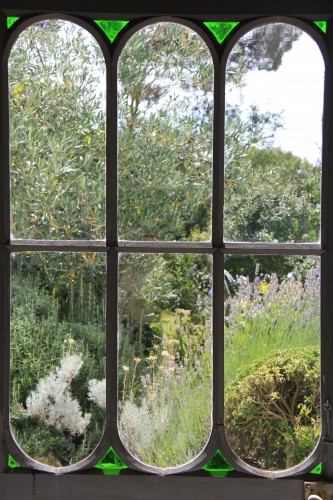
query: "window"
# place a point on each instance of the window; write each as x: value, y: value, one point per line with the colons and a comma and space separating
x: 144, y: 185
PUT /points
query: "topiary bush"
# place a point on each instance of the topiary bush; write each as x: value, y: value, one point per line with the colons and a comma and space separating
x: 273, y: 409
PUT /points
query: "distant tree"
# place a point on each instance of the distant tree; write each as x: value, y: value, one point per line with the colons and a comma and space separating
x: 57, y: 146
x: 272, y: 195
x: 57, y: 133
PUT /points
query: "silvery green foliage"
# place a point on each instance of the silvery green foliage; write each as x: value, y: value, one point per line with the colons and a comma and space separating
x: 52, y: 401
x: 139, y: 425
x: 97, y: 392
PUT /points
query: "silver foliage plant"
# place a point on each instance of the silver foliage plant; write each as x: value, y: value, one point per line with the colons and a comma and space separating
x: 97, y: 392
x: 52, y: 401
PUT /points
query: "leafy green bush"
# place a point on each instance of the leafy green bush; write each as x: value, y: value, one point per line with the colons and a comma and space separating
x: 273, y: 409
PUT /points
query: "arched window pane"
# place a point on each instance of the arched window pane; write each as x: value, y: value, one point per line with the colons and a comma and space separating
x: 273, y: 137
x: 57, y: 355
x: 165, y: 101
x: 165, y: 357
x: 272, y: 372
x: 57, y: 136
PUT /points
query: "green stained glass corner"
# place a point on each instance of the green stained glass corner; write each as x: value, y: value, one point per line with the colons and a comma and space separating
x: 111, y: 463
x: 111, y: 28
x: 221, y: 30
x: 317, y: 470
x: 322, y: 25
x: 12, y: 464
x: 11, y: 21
x: 218, y: 466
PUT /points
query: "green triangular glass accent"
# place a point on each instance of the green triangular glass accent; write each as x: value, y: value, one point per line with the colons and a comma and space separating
x: 111, y: 28
x: 12, y: 464
x: 221, y: 30
x: 317, y: 470
x: 218, y: 466
x: 111, y: 463
x: 11, y: 21
x: 322, y: 25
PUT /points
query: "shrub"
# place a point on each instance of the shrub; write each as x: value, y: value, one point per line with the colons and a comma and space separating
x: 40, y: 344
x: 273, y: 409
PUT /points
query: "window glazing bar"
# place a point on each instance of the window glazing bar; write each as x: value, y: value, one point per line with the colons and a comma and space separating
x: 273, y: 248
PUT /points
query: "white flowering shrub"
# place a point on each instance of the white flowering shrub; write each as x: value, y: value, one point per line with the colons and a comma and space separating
x: 97, y: 392
x: 52, y: 401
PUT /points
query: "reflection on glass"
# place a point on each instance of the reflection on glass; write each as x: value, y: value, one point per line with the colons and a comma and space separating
x: 57, y: 122
x: 165, y: 357
x: 272, y: 370
x: 57, y: 360
x: 273, y: 136
x: 165, y: 102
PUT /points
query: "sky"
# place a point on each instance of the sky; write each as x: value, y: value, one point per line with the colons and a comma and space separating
x: 296, y: 91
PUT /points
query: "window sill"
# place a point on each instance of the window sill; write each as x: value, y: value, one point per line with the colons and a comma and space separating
x: 130, y: 485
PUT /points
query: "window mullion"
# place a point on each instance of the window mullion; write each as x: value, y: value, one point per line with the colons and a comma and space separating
x: 217, y: 242
x: 112, y: 259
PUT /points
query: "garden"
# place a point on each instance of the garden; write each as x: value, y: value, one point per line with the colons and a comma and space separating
x: 165, y: 343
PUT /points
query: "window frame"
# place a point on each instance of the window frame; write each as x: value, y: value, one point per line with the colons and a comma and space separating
x: 243, y: 484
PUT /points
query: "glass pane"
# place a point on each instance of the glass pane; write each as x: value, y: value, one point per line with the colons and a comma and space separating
x: 57, y: 143
x: 165, y: 126
x: 272, y: 373
x: 165, y: 357
x: 273, y: 136
x: 57, y: 355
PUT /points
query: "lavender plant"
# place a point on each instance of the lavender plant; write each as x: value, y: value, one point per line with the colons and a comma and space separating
x: 272, y: 369
x: 269, y: 314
